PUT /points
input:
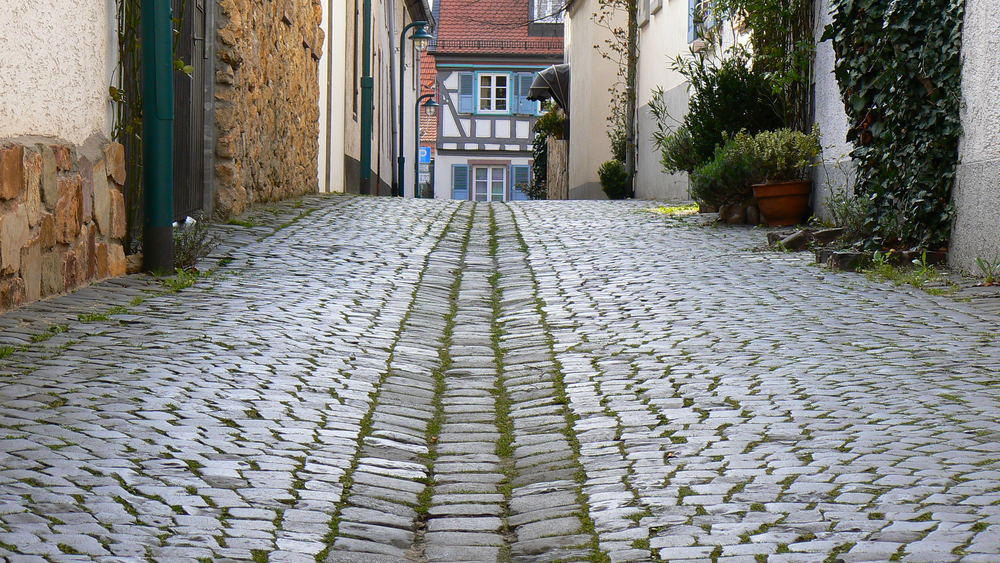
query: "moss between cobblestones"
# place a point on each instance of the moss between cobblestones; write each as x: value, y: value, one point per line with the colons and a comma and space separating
x: 832, y: 557
x: 502, y: 403
x: 127, y: 506
x: 433, y: 430
x: 365, y: 425
x: 559, y: 383
x: 67, y: 549
x: 288, y: 223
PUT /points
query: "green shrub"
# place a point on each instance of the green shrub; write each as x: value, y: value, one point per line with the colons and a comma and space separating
x: 615, y: 179
x: 538, y: 188
x: 744, y: 160
x: 677, y: 152
x: 727, y: 177
x: 727, y: 96
x: 781, y: 156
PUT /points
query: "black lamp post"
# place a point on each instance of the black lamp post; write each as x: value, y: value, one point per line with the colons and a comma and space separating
x: 420, y: 39
x: 431, y: 107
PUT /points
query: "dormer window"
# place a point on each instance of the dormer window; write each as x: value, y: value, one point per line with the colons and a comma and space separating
x: 494, y: 92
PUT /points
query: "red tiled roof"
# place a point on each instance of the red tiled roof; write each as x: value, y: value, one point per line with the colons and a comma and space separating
x: 490, y: 27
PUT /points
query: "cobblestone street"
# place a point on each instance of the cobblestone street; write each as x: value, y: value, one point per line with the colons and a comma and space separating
x: 383, y: 380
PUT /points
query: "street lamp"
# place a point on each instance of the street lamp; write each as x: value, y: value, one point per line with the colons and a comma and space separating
x: 431, y: 107
x: 420, y: 39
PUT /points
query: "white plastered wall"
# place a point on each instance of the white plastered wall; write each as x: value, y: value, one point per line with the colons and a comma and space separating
x: 56, y: 60
x: 661, y: 40
x: 590, y: 76
x: 333, y: 68
x: 976, y: 232
x: 835, y: 170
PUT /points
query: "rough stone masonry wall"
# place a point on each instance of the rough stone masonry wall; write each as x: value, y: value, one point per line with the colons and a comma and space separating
x: 267, y: 101
x: 62, y: 217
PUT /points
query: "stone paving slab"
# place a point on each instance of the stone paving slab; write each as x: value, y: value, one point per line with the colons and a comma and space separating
x: 366, y: 379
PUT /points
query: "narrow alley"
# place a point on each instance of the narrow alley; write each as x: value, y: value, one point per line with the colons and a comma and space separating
x: 421, y: 380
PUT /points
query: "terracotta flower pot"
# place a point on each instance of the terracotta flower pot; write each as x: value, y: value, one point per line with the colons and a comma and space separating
x: 784, y: 204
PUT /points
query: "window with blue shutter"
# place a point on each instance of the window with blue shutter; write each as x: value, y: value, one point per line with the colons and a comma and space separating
x: 521, y: 177
x: 524, y: 105
x: 466, y: 92
x: 460, y: 181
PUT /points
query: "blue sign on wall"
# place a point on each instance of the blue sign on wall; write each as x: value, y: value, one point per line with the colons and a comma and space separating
x: 425, y: 155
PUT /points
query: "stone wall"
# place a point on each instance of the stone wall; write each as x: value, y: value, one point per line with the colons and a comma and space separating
x: 62, y: 216
x: 267, y: 101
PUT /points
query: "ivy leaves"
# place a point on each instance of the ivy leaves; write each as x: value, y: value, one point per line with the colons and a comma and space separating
x: 899, y: 70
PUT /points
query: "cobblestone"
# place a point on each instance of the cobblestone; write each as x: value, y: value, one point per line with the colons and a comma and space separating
x: 364, y: 379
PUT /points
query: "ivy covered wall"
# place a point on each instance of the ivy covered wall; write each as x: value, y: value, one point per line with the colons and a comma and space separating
x: 899, y: 70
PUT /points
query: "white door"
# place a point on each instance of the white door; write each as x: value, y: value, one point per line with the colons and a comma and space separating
x: 491, y: 183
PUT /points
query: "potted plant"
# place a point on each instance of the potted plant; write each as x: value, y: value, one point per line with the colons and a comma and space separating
x: 781, y: 160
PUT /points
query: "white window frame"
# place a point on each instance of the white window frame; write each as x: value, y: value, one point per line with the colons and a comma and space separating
x: 491, y: 179
x: 493, y: 98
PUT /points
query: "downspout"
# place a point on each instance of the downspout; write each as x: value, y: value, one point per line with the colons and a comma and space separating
x: 396, y: 126
x: 367, y: 99
x: 631, y: 79
x: 157, y: 136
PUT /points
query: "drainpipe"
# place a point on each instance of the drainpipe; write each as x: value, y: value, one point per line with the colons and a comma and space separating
x: 367, y: 100
x: 157, y: 136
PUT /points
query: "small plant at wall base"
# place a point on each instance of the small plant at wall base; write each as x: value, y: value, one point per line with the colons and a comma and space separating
x: 726, y: 178
x: 615, y: 179
x: 990, y: 269
x: 192, y: 242
x: 899, y: 69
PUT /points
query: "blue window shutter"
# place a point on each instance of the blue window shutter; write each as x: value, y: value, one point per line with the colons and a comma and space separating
x: 521, y: 178
x: 460, y: 181
x: 524, y: 105
x: 692, y: 7
x: 466, y: 92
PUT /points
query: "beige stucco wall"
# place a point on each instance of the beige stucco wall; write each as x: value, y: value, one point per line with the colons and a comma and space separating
x: 976, y: 231
x: 662, y: 38
x: 590, y: 77
x: 55, y: 68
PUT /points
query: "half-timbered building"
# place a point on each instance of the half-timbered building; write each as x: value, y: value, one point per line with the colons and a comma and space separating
x: 487, y: 53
